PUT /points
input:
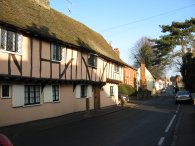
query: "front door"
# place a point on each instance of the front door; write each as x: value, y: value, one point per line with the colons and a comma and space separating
x: 96, y: 98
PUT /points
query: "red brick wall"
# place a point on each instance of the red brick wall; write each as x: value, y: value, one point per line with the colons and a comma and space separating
x: 143, y: 76
x: 129, y: 76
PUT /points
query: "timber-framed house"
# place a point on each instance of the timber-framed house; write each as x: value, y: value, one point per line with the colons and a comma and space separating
x: 51, y: 65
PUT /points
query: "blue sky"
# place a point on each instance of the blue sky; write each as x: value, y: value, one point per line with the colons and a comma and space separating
x: 124, y: 22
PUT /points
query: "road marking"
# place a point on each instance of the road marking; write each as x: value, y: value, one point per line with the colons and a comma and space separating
x: 161, y: 141
x: 172, y: 120
x: 169, y: 126
x: 177, y: 108
x: 170, y: 123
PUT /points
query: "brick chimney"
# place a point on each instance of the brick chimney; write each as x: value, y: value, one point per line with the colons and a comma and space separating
x: 117, y: 51
x: 44, y: 3
x: 143, y: 76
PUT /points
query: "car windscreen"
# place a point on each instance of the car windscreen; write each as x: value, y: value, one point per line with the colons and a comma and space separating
x: 182, y: 92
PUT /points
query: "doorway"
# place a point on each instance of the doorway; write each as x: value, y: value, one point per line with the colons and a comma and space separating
x: 96, y: 98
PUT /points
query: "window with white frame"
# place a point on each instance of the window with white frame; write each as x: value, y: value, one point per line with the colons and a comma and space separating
x: 116, y: 68
x: 5, y: 91
x: 92, y: 60
x: 83, y: 91
x: 10, y: 41
x: 32, y: 94
x: 111, y: 90
x: 56, y: 52
x: 55, y: 92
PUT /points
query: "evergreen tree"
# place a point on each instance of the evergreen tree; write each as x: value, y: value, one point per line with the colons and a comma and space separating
x: 188, y: 71
x: 178, y: 34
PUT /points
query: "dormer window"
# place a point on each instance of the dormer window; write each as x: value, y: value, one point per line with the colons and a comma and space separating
x: 92, y: 60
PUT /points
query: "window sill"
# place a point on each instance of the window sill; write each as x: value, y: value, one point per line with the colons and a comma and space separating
x: 81, y: 98
x: 15, y: 53
x: 6, y: 97
x: 95, y: 67
x: 56, y: 60
x: 56, y: 101
x: 31, y: 105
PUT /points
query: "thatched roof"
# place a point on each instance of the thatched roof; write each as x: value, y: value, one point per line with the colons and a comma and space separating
x: 29, y: 16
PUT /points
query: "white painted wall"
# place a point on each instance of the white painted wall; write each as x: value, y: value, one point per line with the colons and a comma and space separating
x: 105, y: 98
x: 149, y: 79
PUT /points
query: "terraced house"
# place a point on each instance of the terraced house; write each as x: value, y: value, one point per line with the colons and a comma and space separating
x: 51, y: 65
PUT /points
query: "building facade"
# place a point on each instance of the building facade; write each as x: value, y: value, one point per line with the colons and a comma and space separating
x: 130, y: 75
x: 52, y: 65
x: 145, y: 79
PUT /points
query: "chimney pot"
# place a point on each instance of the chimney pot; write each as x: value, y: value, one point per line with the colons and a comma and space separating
x: 44, y: 3
x: 117, y: 51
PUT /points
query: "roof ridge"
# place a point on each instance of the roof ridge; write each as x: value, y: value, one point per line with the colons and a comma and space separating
x: 53, y: 24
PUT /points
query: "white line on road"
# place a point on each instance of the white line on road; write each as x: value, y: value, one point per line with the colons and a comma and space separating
x: 172, y: 120
x: 177, y: 108
x: 161, y: 141
x: 170, y: 123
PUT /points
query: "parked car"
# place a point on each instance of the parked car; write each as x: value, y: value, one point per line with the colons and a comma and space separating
x: 4, y: 141
x: 182, y: 96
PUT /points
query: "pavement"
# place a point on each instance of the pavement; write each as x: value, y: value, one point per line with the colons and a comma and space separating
x: 30, y: 128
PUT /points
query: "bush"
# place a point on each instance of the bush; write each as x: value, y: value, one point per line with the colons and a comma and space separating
x: 126, y: 89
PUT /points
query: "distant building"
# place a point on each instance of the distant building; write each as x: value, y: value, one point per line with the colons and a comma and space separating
x: 130, y: 75
x: 145, y: 79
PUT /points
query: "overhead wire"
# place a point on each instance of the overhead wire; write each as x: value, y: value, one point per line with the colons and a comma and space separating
x: 147, y: 18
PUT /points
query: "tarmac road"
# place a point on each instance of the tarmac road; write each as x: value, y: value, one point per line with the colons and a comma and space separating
x: 150, y: 123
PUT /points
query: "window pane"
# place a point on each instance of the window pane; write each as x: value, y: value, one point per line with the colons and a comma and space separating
x: 37, y: 94
x: 10, y: 41
x: 32, y: 94
x: 116, y: 68
x: 111, y: 90
x: 26, y: 94
x: 3, y: 39
x: 92, y: 60
x: 5, y: 90
x: 83, y: 91
x: 55, y: 92
x: 16, y: 43
x: 19, y: 39
x: 56, y: 51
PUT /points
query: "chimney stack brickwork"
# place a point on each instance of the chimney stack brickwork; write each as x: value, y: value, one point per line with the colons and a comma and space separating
x: 117, y: 51
x: 143, y: 77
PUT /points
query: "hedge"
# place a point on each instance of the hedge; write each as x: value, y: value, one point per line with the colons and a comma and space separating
x: 126, y: 89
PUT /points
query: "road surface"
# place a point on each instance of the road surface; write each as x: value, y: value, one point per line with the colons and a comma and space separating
x: 148, y: 124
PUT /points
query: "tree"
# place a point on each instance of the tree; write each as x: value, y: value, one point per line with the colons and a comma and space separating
x: 178, y: 34
x: 188, y: 71
x: 146, y: 52
x: 143, y: 52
